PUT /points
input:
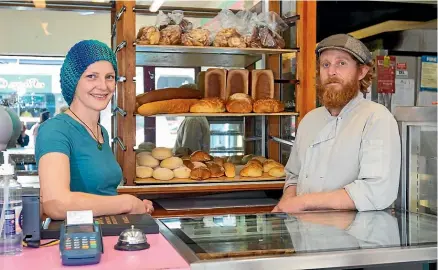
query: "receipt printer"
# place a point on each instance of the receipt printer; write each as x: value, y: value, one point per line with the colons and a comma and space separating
x: 30, y: 220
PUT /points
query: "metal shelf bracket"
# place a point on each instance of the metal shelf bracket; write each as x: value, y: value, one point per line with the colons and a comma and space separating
x: 120, y: 111
x: 120, y: 143
x: 120, y: 46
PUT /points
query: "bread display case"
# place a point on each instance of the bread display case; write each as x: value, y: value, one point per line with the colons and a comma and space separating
x: 256, y: 68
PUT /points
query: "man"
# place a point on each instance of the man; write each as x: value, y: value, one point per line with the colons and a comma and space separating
x: 347, y: 153
x: 23, y: 139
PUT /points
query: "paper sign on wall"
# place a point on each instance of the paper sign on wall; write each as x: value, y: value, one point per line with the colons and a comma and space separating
x: 386, y: 74
x: 402, y: 70
x: 428, y: 73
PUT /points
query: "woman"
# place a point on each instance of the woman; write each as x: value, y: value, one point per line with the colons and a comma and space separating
x: 76, y: 166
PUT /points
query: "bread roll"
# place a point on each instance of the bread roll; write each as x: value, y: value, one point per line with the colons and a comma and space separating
x: 260, y: 158
x: 143, y: 153
x: 255, y: 162
x: 251, y: 170
x: 235, y: 159
x: 237, y: 82
x: 168, y: 94
x: 262, y: 84
x: 161, y: 153
x: 239, y: 103
x: 172, y: 163
x: 143, y: 172
x: 196, y: 164
x: 162, y: 174
x: 268, y: 106
x: 200, y: 156
x: 268, y: 165
x: 215, y: 83
x: 182, y: 172
x: 208, y: 105
x: 147, y: 160
x: 230, y: 169
x: 188, y: 163
x: 200, y: 173
x: 246, y: 158
x: 148, y: 146
x: 166, y: 106
x: 216, y: 170
x: 219, y: 161
x: 277, y: 171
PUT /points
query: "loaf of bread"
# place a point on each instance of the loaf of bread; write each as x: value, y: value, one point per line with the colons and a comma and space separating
x: 268, y: 106
x: 188, y: 163
x: 219, y: 161
x: 230, y: 169
x: 161, y: 153
x: 216, y: 170
x: 237, y: 82
x: 200, y: 173
x: 262, y: 84
x: 149, y: 35
x: 255, y: 162
x: 172, y: 163
x: 215, y: 83
x: 166, y: 106
x: 163, y: 174
x: 171, y: 35
x: 182, y: 172
x: 260, y: 158
x: 269, y: 164
x: 143, y: 171
x: 147, y: 160
x: 239, y: 103
x: 277, y: 171
x: 252, y: 170
x: 168, y: 94
x: 208, y: 105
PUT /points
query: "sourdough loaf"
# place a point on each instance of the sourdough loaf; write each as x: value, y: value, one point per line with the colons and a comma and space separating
x: 268, y: 106
x: 262, y: 84
x: 239, y: 103
x: 208, y: 105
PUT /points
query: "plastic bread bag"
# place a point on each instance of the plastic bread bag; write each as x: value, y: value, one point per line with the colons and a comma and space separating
x: 247, y: 26
x: 162, y: 20
x: 177, y: 18
x: 270, y: 28
x: 224, y: 30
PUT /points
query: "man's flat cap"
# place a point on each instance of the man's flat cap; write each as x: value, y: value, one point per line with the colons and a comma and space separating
x: 346, y: 43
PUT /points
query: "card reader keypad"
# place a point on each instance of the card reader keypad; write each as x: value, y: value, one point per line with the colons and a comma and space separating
x: 84, y: 242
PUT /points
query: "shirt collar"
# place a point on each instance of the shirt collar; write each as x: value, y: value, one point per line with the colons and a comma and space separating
x: 347, y: 108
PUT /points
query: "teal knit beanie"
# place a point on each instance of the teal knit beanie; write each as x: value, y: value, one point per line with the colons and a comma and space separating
x: 77, y: 60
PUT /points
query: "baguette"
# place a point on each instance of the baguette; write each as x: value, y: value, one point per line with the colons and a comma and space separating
x: 166, y: 106
x: 168, y: 94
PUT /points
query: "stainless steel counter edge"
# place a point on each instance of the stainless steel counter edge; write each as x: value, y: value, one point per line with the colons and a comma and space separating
x: 360, y: 257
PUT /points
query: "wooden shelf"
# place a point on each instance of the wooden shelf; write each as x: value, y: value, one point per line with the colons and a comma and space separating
x: 227, y: 114
x: 201, y: 187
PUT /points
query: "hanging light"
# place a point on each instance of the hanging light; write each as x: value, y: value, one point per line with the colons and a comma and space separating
x: 156, y: 4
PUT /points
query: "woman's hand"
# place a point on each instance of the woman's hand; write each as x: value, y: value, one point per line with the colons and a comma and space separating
x: 140, y: 206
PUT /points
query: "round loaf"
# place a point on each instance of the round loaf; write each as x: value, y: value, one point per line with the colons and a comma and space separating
x: 239, y: 103
x: 268, y: 105
x: 182, y: 172
x: 208, y: 105
x: 277, y: 171
x: 268, y: 165
x: 162, y: 174
x: 161, y: 153
x: 143, y: 172
x: 251, y: 170
x: 200, y: 156
x: 148, y: 146
x: 147, y: 160
x: 172, y: 163
x: 216, y: 170
x: 200, y: 173
x: 230, y: 169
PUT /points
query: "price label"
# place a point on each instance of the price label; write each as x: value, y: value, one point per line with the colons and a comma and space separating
x: 401, y: 73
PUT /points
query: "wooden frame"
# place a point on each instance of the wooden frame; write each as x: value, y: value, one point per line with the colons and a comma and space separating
x: 306, y: 94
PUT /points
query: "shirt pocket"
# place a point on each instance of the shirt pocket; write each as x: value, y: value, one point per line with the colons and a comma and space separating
x: 372, y: 157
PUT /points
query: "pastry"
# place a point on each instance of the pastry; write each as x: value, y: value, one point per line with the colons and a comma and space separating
x: 277, y: 172
x: 196, y: 37
x: 143, y: 171
x: 268, y: 106
x: 223, y: 36
x: 215, y: 83
x: 208, y: 105
x: 262, y: 84
x: 219, y: 161
x: 200, y: 173
x: 252, y: 170
x: 239, y: 103
x: 255, y: 162
x: 171, y: 35
x: 172, y: 163
x: 236, y: 42
x: 237, y: 82
x: 182, y: 172
x: 188, y: 163
x: 230, y: 169
x: 148, y: 35
x: 167, y: 94
x: 260, y: 158
x: 200, y: 156
x: 147, y: 160
x: 268, y: 165
x: 163, y: 174
x: 247, y: 158
x: 161, y: 153
x: 166, y: 106
x: 216, y: 170
x: 235, y: 159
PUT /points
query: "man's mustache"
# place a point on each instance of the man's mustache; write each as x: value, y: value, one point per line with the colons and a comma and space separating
x: 333, y: 80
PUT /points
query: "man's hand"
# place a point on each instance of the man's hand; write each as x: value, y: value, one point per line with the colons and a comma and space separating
x: 289, y: 204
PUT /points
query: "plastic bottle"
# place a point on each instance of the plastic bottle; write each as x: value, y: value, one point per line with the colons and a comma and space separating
x: 11, y: 204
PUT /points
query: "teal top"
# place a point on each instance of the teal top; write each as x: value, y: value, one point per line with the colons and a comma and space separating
x: 92, y: 170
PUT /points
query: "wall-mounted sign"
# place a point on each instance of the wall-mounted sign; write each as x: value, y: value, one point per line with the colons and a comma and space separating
x: 386, y: 74
x: 26, y: 83
x: 428, y: 73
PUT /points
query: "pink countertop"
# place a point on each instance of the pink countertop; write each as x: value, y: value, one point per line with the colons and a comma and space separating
x: 161, y: 255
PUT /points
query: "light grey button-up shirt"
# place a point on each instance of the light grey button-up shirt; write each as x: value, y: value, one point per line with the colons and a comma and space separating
x: 359, y: 150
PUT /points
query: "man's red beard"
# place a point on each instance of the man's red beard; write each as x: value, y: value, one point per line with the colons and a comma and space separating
x: 333, y: 97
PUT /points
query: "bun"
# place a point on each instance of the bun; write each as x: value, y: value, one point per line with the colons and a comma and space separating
x: 277, y: 171
x: 163, y: 174
x: 161, y: 153
x: 166, y: 106
x: 260, y: 158
x: 200, y: 156
x: 239, y: 103
x: 172, y: 163
x: 147, y: 160
x: 235, y: 159
x: 252, y: 170
x: 216, y: 170
x: 269, y: 164
x: 188, y: 163
x: 262, y: 84
x: 215, y: 83
x: 200, y: 173
x: 168, y: 94
x: 182, y: 172
x: 219, y: 161
x: 268, y: 106
x: 237, y: 82
x: 230, y: 169
x: 196, y: 164
x: 143, y: 172
x: 247, y: 158
x: 255, y: 162
x: 208, y: 105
